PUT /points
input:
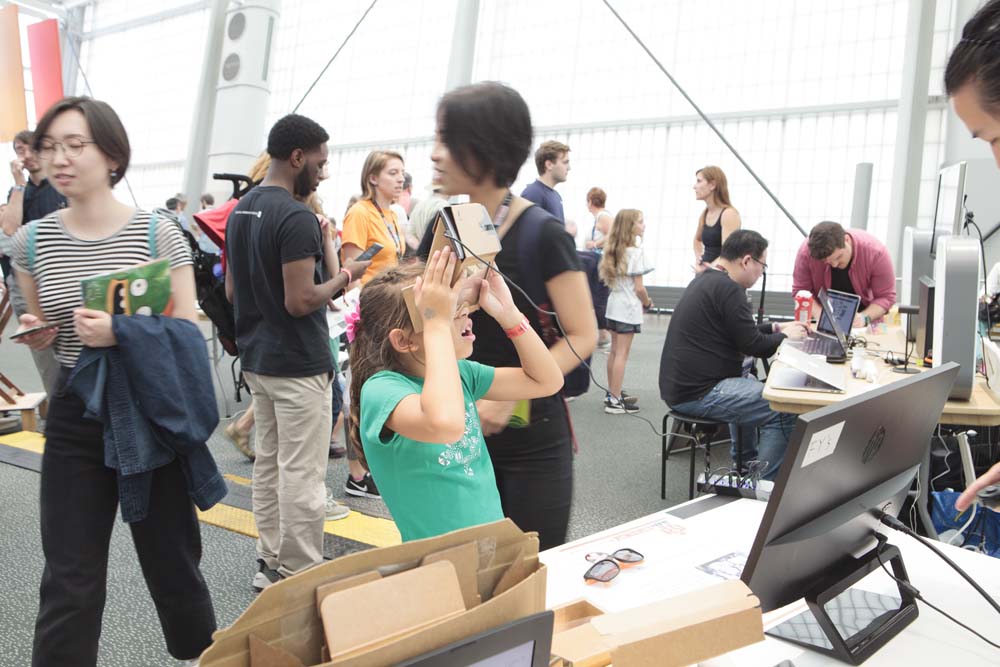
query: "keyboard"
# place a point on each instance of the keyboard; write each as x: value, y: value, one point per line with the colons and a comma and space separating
x: 828, y: 347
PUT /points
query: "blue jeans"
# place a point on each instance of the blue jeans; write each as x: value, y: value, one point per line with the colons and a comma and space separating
x: 738, y: 401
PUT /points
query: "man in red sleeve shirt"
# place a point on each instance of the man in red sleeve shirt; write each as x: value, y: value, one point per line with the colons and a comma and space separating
x: 854, y: 262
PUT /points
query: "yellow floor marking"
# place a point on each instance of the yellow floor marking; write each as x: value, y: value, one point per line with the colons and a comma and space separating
x: 245, y: 481
x: 356, y: 526
x: 28, y: 440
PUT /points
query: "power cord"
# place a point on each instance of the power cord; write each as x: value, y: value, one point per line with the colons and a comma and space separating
x: 893, y: 522
x: 912, y: 590
x: 555, y: 316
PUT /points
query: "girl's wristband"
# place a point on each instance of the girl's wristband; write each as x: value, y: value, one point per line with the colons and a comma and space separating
x: 350, y: 278
x: 520, y: 329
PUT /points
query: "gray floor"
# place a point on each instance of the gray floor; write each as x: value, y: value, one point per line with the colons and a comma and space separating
x: 617, y: 479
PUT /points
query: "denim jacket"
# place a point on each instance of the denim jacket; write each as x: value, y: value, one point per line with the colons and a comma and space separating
x: 154, y: 394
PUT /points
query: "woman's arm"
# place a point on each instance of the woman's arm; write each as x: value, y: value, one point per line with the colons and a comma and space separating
x: 34, y: 315
x: 571, y: 301
x: 350, y: 251
x: 730, y: 222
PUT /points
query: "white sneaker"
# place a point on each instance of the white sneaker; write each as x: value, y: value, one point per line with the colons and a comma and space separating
x: 335, y: 510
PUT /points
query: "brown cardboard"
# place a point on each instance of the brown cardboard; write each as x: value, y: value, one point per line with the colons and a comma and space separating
x: 476, y: 231
x: 678, y: 631
x: 465, y: 558
x: 284, y: 615
x: 514, y: 574
x: 344, y: 584
x: 574, y: 614
x: 417, y: 598
x: 263, y: 654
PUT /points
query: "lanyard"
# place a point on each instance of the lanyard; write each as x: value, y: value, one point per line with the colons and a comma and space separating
x: 503, y: 211
x: 390, y: 228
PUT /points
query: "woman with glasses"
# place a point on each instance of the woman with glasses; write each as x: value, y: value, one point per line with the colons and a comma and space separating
x: 717, y: 221
x: 85, y: 152
x: 483, y: 137
x: 371, y: 220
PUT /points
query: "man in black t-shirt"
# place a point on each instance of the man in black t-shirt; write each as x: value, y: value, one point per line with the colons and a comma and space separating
x: 711, y: 332
x: 31, y: 198
x: 276, y: 251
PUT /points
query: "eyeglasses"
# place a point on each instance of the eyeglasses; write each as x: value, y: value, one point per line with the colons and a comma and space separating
x: 71, y: 147
x: 608, y: 566
x: 764, y: 264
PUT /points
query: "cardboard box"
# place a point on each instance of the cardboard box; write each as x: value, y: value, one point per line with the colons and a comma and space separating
x: 679, y: 631
x: 285, y: 623
x: 471, y: 223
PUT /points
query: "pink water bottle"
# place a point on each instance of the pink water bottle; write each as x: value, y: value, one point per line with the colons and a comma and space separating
x: 803, y: 306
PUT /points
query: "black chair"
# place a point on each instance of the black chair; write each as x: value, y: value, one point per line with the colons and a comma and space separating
x: 699, y: 432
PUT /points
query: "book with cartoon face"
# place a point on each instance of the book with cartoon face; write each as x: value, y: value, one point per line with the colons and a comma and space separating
x: 143, y: 289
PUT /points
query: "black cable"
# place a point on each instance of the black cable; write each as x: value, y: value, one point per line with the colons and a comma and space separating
x: 336, y: 53
x: 555, y: 317
x: 705, y: 118
x: 893, y: 522
x: 982, y: 254
x: 912, y: 590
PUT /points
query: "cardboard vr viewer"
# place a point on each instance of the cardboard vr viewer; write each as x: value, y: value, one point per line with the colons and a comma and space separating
x: 476, y: 245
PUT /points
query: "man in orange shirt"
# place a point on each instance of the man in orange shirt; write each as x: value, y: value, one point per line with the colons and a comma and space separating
x: 371, y: 220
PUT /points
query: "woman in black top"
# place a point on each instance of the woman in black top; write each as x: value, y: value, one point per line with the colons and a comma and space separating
x: 483, y: 137
x: 711, y: 187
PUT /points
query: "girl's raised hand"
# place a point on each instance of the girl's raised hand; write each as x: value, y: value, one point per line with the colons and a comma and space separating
x: 433, y: 293
x: 496, y: 300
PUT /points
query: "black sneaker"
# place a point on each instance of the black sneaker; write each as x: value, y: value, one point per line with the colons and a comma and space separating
x: 615, y: 406
x: 629, y: 400
x: 363, y: 489
x: 265, y: 576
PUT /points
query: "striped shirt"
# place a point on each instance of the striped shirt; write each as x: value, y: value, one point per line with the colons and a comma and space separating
x: 61, y: 261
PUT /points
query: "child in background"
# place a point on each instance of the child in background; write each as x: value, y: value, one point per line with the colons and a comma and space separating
x: 621, y: 269
x: 413, y: 393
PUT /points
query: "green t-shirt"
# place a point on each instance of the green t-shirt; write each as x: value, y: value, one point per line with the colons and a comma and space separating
x: 430, y: 489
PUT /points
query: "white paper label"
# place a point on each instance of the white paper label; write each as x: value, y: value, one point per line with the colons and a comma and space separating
x: 822, y: 444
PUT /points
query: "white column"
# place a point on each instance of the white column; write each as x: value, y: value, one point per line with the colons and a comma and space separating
x: 912, y: 117
x: 862, y: 195
x: 463, y: 44
x: 196, y: 166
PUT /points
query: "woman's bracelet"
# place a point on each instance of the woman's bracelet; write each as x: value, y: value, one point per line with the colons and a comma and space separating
x: 350, y: 278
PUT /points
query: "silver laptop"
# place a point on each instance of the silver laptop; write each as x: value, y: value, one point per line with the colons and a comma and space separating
x: 829, y: 339
x: 804, y: 372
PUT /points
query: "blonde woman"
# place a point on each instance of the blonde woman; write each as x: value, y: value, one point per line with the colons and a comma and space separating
x: 717, y: 221
x: 622, y: 267
x: 371, y: 220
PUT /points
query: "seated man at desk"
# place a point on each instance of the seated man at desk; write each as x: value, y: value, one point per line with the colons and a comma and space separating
x: 711, y: 331
x: 849, y: 261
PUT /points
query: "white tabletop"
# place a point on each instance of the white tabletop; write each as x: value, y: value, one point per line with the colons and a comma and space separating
x: 674, y: 548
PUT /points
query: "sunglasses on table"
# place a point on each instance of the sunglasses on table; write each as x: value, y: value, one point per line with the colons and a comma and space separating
x: 608, y: 566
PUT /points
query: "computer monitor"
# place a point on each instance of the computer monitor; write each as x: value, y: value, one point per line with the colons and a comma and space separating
x: 924, y: 336
x: 843, y: 307
x: 950, y: 196
x: 843, y: 463
x: 526, y: 642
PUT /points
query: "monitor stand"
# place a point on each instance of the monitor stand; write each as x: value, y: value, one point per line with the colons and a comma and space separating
x: 869, y: 620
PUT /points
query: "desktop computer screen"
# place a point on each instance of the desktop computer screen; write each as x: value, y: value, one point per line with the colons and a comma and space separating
x: 950, y: 195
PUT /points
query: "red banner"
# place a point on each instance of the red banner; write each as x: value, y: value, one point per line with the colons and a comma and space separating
x: 13, y: 112
x: 46, y: 65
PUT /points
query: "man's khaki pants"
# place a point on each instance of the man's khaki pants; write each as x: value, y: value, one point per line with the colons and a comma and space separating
x: 293, y: 425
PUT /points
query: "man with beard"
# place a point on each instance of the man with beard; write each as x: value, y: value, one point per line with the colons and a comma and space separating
x: 31, y: 198
x: 276, y: 252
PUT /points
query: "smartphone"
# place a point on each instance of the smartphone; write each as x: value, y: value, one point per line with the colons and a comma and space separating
x: 41, y: 327
x: 373, y: 250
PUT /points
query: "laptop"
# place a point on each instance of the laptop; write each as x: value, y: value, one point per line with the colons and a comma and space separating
x: 829, y: 339
x: 524, y: 643
x: 844, y: 306
x: 803, y: 372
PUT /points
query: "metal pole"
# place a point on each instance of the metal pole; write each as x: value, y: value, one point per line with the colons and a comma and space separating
x: 196, y: 166
x: 463, y: 44
x: 862, y: 195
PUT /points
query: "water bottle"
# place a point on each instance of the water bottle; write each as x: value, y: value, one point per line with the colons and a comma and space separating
x: 803, y: 306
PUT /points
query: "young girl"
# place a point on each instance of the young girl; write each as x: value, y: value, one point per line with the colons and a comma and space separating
x: 413, y: 395
x: 621, y: 269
